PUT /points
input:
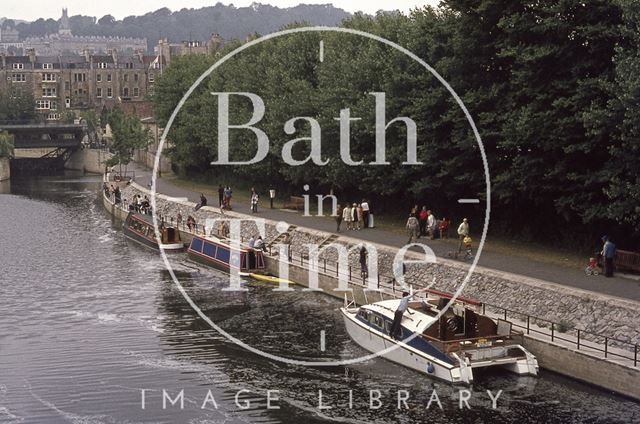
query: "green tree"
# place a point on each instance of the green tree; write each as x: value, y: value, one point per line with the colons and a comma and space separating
x: 6, y: 144
x: 128, y: 135
x: 92, y: 121
x: 17, y: 108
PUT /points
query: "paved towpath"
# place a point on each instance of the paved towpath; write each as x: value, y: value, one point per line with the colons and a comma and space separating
x: 616, y: 286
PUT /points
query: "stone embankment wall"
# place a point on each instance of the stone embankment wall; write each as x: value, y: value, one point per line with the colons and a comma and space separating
x: 5, y: 169
x: 88, y: 160
x: 614, y: 317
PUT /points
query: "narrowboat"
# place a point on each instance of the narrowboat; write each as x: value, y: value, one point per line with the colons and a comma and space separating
x: 446, y: 345
x: 218, y: 253
x: 139, y: 227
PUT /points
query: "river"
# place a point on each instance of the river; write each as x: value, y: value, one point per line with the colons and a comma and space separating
x: 89, y: 320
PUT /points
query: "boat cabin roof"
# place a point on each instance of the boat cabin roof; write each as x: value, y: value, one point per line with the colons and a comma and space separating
x: 148, y: 219
x: 225, y: 242
x: 418, y: 321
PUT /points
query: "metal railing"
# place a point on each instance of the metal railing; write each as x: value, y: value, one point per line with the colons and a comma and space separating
x: 557, y: 330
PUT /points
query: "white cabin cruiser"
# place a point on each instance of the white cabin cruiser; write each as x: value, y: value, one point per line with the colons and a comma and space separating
x: 448, y: 346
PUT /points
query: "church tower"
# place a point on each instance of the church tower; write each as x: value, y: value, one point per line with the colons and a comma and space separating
x: 64, y: 30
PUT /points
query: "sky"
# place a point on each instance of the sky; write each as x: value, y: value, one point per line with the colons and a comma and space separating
x: 30, y: 10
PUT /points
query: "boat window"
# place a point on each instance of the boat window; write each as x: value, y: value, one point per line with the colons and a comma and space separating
x: 196, y: 245
x: 376, y: 320
x: 364, y: 314
x: 209, y: 249
x: 244, y: 259
x: 222, y: 254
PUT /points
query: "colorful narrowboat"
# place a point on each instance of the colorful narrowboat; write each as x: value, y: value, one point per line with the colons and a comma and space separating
x: 218, y: 253
x: 139, y: 228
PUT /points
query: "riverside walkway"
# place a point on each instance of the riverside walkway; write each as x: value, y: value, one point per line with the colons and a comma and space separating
x: 617, y: 286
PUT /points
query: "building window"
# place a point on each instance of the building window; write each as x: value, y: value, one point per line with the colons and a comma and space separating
x: 108, y: 77
x: 67, y: 102
x: 66, y: 85
x: 102, y: 65
x: 99, y: 78
x: 18, y: 66
x: 53, y: 116
x: 99, y: 92
x: 128, y: 65
x: 48, y: 77
x: 126, y: 77
x: 125, y: 92
x: 109, y: 92
x: 54, y: 105
x: 43, y: 104
x: 47, y: 66
x: 135, y: 77
x: 48, y: 92
x: 151, y: 77
x: 18, y: 77
x: 136, y: 91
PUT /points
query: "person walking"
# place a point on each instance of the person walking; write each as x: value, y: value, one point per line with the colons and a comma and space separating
x: 360, y: 216
x: 608, y: 253
x: 413, y: 228
x: 463, y: 231
x: 422, y: 218
x: 254, y: 202
x: 339, y: 217
x: 444, y: 228
x: 365, y: 212
x: 346, y: 215
x: 354, y: 217
x: 364, y: 273
x: 431, y: 225
x: 220, y: 195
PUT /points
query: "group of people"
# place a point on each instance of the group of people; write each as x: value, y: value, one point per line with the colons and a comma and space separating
x: 423, y: 223
x: 356, y: 216
x: 140, y: 205
x: 111, y: 190
x: 257, y: 244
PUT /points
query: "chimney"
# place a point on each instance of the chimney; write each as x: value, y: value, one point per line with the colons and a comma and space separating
x: 114, y: 56
x: 4, y: 60
x: 32, y: 55
x: 86, y: 55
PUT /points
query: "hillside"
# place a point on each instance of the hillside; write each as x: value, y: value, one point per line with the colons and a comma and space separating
x: 196, y: 24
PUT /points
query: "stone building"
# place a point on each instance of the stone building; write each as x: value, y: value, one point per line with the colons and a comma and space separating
x: 169, y: 50
x: 77, y: 83
x: 64, y: 42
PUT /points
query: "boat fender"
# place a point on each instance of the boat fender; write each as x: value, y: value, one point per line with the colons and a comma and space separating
x: 430, y: 368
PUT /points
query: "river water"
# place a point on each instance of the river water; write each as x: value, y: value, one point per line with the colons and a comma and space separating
x: 88, y: 320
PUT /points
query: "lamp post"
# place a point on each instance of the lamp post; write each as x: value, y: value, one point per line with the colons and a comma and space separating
x: 272, y: 195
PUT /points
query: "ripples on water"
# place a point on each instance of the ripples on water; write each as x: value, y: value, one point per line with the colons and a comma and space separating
x: 88, y: 320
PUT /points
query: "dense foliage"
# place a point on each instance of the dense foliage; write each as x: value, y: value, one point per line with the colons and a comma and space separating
x: 17, y: 108
x: 553, y: 86
x: 192, y: 24
x: 128, y: 135
x: 6, y: 144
